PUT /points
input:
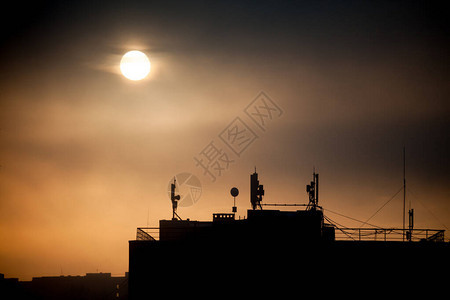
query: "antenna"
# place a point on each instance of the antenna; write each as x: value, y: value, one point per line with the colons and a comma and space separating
x: 411, y: 224
x: 234, y: 192
x: 256, y: 191
x: 316, y: 177
x: 404, y: 190
x: 174, y: 198
x: 313, y: 192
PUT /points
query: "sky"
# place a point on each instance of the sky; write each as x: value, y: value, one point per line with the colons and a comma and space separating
x: 86, y: 155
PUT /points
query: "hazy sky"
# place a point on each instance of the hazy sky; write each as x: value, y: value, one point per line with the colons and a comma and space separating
x: 86, y: 155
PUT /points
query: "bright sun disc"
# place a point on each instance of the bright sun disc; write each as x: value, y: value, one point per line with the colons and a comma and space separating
x: 135, y: 65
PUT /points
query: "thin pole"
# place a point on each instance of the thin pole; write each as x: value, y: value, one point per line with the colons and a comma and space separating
x: 404, y: 191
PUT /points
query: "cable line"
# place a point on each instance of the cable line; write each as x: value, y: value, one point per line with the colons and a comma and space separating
x: 364, y: 223
x: 350, y: 218
x: 428, y: 210
x: 334, y: 223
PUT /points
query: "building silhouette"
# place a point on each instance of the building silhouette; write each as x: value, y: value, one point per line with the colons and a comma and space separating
x: 270, y: 252
x: 89, y: 287
x: 273, y: 252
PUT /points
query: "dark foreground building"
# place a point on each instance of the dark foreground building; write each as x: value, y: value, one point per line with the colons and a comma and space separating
x: 274, y: 253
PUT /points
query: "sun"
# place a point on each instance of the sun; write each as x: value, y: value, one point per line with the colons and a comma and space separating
x: 135, y: 65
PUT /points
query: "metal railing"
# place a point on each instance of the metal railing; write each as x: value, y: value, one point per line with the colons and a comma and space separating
x: 341, y: 234
x: 147, y: 234
x: 389, y: 234
x: 170, y: 233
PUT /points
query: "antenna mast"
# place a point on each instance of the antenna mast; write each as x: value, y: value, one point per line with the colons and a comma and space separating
x: 313, y: 192
x: 174, y: 198
x: 404, y: 190
x: 256, y: 191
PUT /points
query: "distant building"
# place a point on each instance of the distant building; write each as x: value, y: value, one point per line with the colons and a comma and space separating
x: 89, y: 287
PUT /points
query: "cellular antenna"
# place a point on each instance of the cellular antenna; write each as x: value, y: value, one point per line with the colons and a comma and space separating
x: 256, y: 191
x: 174, y: 198
x: 313, y: 192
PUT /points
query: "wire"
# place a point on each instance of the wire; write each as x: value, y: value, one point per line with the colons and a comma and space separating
x: 364, y: 223
x: 336, y: 224
x: 429, y: 211
x: 350, y: 218
x: 333, y: 223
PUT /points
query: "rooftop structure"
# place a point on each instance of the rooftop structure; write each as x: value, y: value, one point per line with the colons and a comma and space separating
x: 265, y: 243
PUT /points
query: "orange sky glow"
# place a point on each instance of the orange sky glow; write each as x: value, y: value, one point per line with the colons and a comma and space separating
x: 86, y: 155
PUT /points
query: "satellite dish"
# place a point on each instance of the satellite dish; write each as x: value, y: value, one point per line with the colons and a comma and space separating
x: 234, y: 192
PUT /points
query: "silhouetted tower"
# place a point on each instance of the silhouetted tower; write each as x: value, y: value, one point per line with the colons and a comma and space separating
x: 313, y: 192
x: 404, y: 190
x: 174, y: 198
x: 256, y: 191
x: 411, y: 225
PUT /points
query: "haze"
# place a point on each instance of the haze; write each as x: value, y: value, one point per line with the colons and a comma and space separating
x: 86, y: 155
